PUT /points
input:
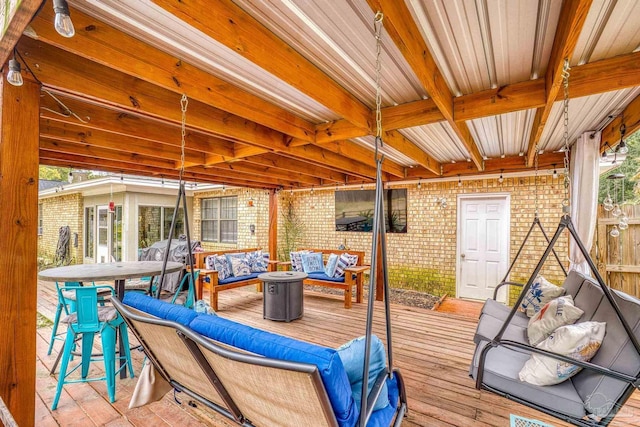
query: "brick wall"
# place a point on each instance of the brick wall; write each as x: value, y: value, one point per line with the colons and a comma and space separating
x: 257, y: 215
x: 57, y: 212
x: 424, y: 258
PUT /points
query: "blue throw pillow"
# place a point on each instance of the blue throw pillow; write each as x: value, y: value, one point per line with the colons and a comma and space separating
x: 312, y: 263
x: 223, y: 266
x: 330, y: 268
x: 257, y: 262
x: 352, y: 356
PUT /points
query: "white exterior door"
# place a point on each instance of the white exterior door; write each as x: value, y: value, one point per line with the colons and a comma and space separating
x: 483, y: 245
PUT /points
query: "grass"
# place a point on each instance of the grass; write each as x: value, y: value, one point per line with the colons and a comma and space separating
x: 42, y: 321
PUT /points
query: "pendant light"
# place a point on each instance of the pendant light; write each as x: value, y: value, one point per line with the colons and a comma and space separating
x: 14, y: 76
x: 62, y: 22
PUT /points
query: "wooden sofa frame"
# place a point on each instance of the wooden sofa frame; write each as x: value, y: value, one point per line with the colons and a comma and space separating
x: 210, y: 277
x: 353, y: 276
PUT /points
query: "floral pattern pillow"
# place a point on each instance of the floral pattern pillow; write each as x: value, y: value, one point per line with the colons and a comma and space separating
x: 240, y: 266
x: 209, y: 262
x: 223, y: 266
x: 257, y: 262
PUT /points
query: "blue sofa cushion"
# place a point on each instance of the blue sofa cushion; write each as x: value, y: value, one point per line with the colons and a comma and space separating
x: 322, y: 276
x: 275, y: 346
x: 352, y: 355
x: 383, y: 417
x: 161, y: 309
x: 234, y: 279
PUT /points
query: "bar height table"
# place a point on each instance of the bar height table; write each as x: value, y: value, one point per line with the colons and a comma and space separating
x: 119, y: 272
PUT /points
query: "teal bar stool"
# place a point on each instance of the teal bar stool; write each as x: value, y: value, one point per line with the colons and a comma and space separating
x: 68, y: 305
x: 89, y: 319
x: 186, y: 297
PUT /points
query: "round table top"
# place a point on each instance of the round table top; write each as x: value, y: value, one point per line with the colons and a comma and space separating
x: 282, y: 276
x: 107, y: 271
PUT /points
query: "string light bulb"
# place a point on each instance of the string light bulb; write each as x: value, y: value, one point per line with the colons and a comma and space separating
x: 419, y: 184
x: 459, y: 181
x: 500, y: 179
x: 14, y: 76
x: 62, y: 22
x: 311, y: 189
x: 622, y: 146
x: 70, y: 177
x: 555, y: 172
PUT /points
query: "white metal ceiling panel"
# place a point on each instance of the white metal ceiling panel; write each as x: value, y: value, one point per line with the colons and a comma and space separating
x: 439, y: 140
x: 390, y: 153
x: 147, y: 22
x: 338, y: 37
x: 587, y: 113
x: 480, y: 45
x: 611, y: 29
x: 503, y: 135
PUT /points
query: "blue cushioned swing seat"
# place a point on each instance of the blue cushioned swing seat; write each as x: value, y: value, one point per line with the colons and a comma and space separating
x: 276, y: 364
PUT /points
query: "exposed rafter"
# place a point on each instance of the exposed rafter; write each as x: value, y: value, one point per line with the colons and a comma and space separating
x: 572, y: 18
x: 630, y: 118
x: 228, y: 24
x: 406, y: 35
x: 101, y: 43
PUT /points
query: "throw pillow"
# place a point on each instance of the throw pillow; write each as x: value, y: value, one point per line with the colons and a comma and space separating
x: 330, y: 268
x: 256, y: 262
x: 223, y: 266
x: 345, y: 261
x: 296, y: 260
x: 312, y: 263
x: 541, y: 292
x: 240, y: 267
x: 580, y: 341
x: 209, y: 262
x: 352, y: 356
x: 557, y: 312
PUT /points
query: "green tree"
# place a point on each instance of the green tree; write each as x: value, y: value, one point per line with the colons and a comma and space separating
x: 54, y: 173
x: 293, y: 227
x: 630, y: 168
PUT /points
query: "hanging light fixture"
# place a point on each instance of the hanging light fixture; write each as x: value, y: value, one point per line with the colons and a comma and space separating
x: 622, y: 146
x: 14, y: 76
x: 62, y: 22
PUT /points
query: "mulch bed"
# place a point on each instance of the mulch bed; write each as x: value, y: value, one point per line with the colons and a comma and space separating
x: 396, y: 296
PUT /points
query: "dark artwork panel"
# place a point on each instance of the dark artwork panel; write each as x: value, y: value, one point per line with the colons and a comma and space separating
x: 354, y: 210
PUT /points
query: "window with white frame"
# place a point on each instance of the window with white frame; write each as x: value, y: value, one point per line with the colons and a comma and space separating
x: 219, y: 221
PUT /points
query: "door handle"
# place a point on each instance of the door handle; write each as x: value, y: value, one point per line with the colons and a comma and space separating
x: 462, y: 256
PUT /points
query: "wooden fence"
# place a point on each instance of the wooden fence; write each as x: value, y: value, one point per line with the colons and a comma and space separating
x: 618, y: 258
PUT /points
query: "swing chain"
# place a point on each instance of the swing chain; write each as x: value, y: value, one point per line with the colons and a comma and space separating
x: 535, y: 183
x: 184, y: 102
x: 377, y: 26
x: 567, y: 181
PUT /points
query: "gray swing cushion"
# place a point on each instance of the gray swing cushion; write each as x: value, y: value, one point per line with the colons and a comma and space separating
x: 596, y: 393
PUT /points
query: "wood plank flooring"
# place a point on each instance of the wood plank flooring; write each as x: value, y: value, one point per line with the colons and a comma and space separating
x: 432, y: 349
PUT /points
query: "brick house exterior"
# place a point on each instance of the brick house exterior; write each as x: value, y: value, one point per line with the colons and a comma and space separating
x: 424, y: 259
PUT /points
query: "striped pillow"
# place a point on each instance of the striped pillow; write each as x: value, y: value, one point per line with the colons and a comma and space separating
x: 296, y: 260
x: 345, y: 261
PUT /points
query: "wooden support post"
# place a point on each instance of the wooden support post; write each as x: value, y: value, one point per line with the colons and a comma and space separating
x: 19, y: 111
x: 273, y: 224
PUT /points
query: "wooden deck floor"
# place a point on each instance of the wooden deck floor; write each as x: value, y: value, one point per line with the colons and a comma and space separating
x: 432, y: 349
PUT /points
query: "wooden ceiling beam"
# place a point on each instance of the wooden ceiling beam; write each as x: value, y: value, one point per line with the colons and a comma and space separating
x: 13, y: 29
x: 302, y: 168
x: 572, y: 18
x: 492, y: 166
x: 404, y: 32
x: 100, y: 139
x: 55, y: 158
x: 127, y: 124
x: 364, y: 155
x: 316, y: 155
x: 630, y: 118
x: 264, y: 172
x: 77, y: 77
x: 398, y: 142
x: 227, y: 23
x: 101, y: 43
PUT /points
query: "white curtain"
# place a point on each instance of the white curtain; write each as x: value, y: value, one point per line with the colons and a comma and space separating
x: 585, y: 157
